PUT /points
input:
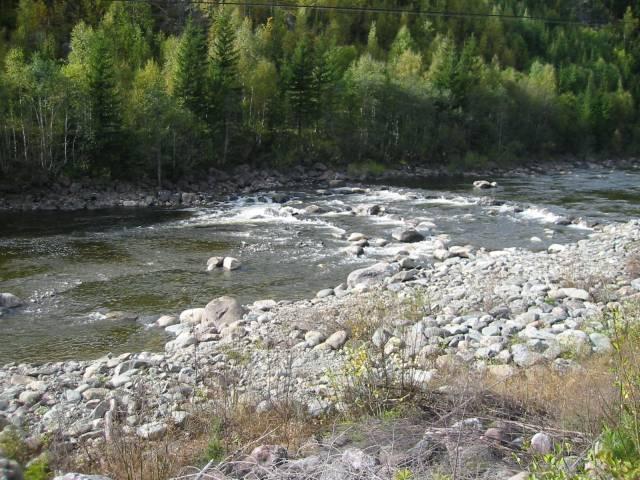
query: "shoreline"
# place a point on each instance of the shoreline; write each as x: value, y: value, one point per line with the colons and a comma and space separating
x: 524, y: 311
x: 67, y: 195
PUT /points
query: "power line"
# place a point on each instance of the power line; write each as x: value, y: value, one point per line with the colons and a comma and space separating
x: 381, y: 10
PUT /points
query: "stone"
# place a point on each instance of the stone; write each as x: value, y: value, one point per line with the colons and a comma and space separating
x: 152, y: 431
x: 327, y: 292
x: 356, y: 459
x: 9, y: 300
x: 441, y: 254
x: 10, y: 470
x: 192, y: 316
x: 337, y: 339
x: 372, y: 275
x: 575, y: 341
x: 356, y: 237
x: 214, y: 262
x: 380, y: 337
x: 29, y: 398
x: 484, y: 184
x: 314, y: 337
x: 267, y: 456
x: 95, y: 393
x: 541, y: 443
x: 166, y: 321
x: 231, y: 263
x: 222, y: 311
x: 460, y: 251
x: 575, y: 293
x: 407, y: 235
x: 556, y: 248
x: 601, y: 343
x: 523, y: 357
x: 635, y: 284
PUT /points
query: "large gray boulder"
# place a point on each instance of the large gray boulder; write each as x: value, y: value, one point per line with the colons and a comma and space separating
x: 222, y: 311
x: 373, y: 275
x: 9, y: 300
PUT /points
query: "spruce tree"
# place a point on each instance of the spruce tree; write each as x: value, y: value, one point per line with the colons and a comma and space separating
x: 191, y: 71
x: 300, y: 85
x: 105, y: 110
x: 225, y: 90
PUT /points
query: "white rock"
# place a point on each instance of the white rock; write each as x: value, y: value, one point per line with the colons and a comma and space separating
x: 192, y: 316
x: 231, y: 263
x: 166, y: 321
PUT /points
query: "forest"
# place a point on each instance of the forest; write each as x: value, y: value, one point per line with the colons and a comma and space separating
x: 159, y: 89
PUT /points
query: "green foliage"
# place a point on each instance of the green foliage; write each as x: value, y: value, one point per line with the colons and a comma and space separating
x: 38, y: 469
x: 137, y: 89
x: 215, y: 449
x: 13, y: 446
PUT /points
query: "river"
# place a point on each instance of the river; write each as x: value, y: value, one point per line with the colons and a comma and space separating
x: 72, y: 268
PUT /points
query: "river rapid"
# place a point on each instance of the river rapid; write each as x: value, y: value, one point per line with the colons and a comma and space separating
x: 73, y: 268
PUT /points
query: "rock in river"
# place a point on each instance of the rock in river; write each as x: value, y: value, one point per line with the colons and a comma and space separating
x: 407, y: 235
x: 9, y: 300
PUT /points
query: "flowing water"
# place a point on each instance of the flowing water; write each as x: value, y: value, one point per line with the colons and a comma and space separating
x: 71, y: 268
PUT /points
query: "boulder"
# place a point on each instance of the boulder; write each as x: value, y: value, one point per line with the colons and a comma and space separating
x: 407, y: 235
x: 231, y: 263
x: 337, y: 340
x: 356, y: 237
x: 373, y: 275
x: 214, y: 262
x: 222, y: 311
x: 9, y: 300
x: 484, y: 184
x: 541, y: 443
x: 166, y: 321
x: 192, y: 316
x: 152, y: 431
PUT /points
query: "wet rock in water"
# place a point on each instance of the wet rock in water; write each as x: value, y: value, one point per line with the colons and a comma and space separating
x: 356, y: 237
x: 166, y: 321
x: 9, y: 300
x: 355, y: 250
x: 214, y: 262
x: 121, y: 317
x: 231, y: 263
x: 222, y: 311
x: 484, y: 184
x: 365, y: 277
x: 407, y: 235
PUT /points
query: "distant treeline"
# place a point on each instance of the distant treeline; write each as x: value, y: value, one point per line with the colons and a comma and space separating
x: 162, y: 89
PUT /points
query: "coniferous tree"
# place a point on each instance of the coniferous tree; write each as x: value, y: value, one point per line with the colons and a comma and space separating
x: 190, y: 83
x: 225, y: 90
x: 301, y: 91
x: 106, y: 145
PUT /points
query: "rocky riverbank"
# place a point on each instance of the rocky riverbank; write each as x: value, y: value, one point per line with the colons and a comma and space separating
x: 495, y: 312
x: 66, y: 194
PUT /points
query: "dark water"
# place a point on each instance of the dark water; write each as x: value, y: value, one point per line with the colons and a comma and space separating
x: 72, y: 268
